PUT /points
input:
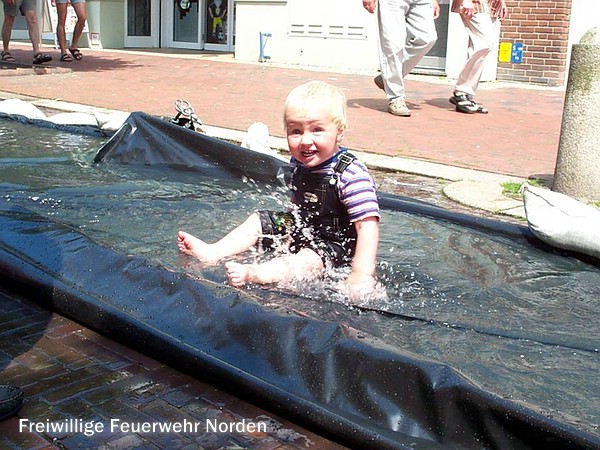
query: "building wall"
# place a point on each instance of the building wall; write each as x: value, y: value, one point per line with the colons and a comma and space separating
x: 107, y: 17
x: 543, y: 28
x: 303, y: 33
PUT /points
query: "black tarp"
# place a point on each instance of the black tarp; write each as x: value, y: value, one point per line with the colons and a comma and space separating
x: 148, y: 140
x: 322, y: 374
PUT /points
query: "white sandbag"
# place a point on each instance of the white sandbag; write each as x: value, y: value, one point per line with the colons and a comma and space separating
x: 21, y: 108
x: 111, y: 121
x: 73, y: 118
x: 562, y: 221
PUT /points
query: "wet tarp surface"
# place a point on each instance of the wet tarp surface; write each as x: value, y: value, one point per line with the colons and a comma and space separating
x: 359, y: 384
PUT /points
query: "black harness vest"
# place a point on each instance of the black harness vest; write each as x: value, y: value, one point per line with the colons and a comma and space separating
x: 320, y: 213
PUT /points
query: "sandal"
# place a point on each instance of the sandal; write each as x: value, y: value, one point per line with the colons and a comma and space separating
x: 480, y: 108
x: 76, y: 53
x: 462, y: 103
x: 40, y: 58
x: 65, y: 57
x: 7, y: 57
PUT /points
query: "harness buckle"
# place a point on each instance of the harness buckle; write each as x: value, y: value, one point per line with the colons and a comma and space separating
x: 344, y: 160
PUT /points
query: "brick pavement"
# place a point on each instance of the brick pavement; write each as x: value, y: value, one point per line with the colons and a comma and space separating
x: 71, y: 372
x: 519, y: 137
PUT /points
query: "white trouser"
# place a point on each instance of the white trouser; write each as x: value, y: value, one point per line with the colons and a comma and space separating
x: 406, y: 34
x: 482, y: 36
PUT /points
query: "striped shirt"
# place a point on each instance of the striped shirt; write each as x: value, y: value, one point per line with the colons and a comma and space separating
x: 491, y: 7
x: 355, y: 186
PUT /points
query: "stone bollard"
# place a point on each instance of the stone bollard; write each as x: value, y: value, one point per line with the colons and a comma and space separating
x: 577, y: 172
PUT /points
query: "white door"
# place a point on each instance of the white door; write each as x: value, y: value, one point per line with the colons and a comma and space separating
x: 142, y: 23
x: 182, y: 27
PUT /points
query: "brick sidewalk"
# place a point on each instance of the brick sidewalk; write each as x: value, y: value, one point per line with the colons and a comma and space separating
x: 71, y: 372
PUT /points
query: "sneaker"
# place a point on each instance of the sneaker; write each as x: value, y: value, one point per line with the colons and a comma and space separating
x: 462, y: 103
x: 378, y: 80
x: 397, y: 107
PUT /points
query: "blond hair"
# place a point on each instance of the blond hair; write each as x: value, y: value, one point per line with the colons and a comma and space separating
x: 313, y: 92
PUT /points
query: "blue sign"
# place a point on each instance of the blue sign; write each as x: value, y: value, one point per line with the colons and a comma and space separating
x: 516, y: 55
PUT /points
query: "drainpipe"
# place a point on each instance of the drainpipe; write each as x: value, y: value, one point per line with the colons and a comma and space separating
x: 263, y: 42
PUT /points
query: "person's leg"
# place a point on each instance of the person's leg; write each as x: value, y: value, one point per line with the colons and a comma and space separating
x: 392, y: 40
x: 304, y: 265
x: 81, y: 11
x: 7, y: 27
x: 421, y: 34
x: 242, y: 238
x: 34, y: 31
x: 61, y: 34
x: 481, y: 30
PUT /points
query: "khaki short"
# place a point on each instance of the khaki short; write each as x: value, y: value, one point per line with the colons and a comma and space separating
x: 20, y: 5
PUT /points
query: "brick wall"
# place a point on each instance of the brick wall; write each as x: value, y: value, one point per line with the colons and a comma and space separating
x: 543, y: 28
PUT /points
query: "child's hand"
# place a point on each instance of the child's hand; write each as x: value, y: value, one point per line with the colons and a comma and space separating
x: 467, y: 9
x: 360, y: 285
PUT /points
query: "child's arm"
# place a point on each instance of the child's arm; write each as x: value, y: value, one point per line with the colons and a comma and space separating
x: 364, y: 262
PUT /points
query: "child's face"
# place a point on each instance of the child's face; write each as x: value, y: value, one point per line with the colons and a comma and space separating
x: 312, y: 136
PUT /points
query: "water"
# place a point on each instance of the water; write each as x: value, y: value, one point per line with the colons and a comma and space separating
x: 517, y: 321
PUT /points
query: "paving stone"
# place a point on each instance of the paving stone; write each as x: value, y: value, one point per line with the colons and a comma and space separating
x: 11, y: 438
x: 72, y: 386
x: 125, y: 388
x: 62, y: 328
x: 178, y: 398
x: 152, y: 386
x: 162, y: 411
x: 102, y: 355
x: 78, y: 408
x: 126, y: 443
x: 68, y: 357
x: 35, y: 360
x: 198, y: 409
x: 38, y: 409
x: 44, y: 376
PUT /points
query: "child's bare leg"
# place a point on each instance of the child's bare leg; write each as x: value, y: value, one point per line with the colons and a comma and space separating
x: 302, y: 265
x: 237, y: 241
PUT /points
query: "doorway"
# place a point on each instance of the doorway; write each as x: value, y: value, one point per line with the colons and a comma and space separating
x: 219, y: 25
x: 186, y: 24
x: 199, y: 24
x: 435, y: 60
x: 142, y: 23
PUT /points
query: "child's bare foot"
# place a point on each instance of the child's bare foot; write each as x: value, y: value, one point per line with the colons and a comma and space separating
x: 238, y: 274
x: 191, y: 245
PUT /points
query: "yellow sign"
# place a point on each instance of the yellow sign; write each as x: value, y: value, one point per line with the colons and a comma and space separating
x: 505, y: 52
